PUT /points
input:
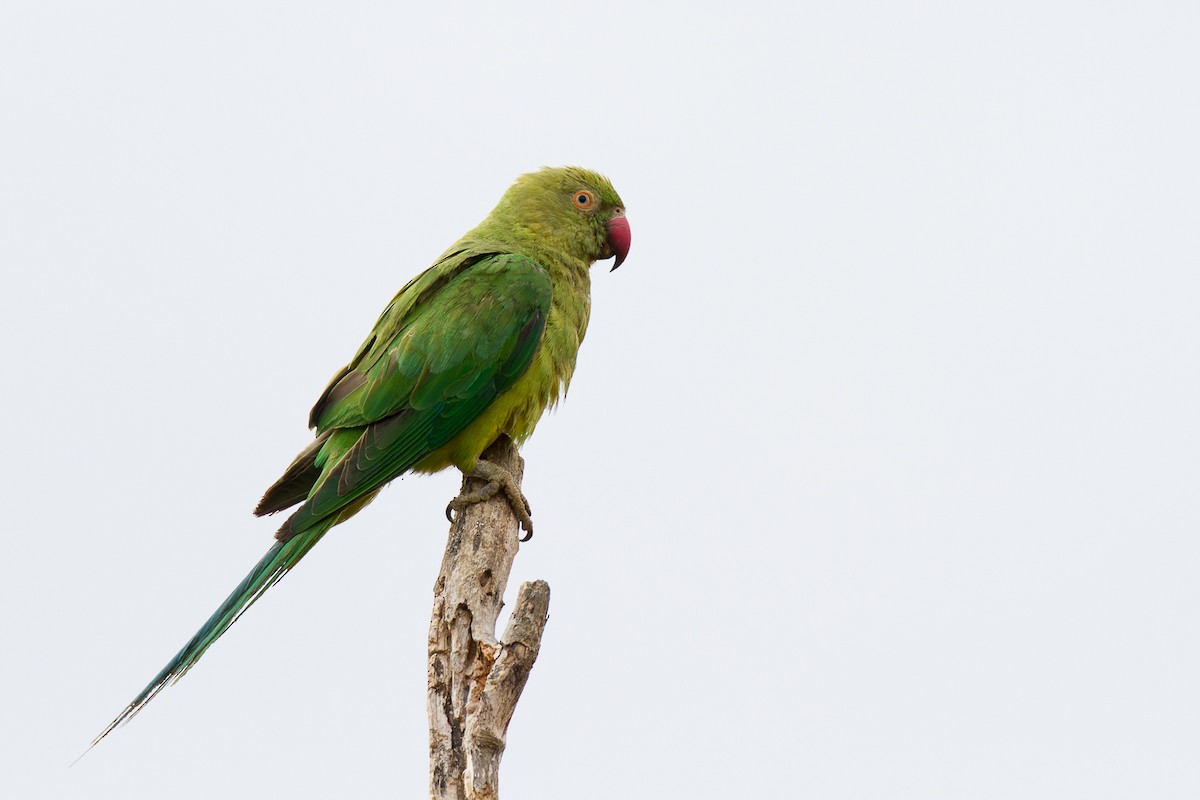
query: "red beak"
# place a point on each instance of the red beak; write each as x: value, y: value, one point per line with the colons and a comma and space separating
x: 618, y: 238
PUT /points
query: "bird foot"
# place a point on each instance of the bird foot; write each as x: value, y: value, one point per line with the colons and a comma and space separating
x: 498, y: 480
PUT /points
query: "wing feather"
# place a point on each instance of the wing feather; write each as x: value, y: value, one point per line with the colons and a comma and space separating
x: 445, y: 362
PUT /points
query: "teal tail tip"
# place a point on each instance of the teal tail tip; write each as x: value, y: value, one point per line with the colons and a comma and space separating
x: 157, y: 685
x: 266, y: 573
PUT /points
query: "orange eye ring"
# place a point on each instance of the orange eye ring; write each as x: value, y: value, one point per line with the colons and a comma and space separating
x: 583, y: 199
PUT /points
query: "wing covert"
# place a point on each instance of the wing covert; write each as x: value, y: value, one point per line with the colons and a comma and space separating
x: 445, y: 363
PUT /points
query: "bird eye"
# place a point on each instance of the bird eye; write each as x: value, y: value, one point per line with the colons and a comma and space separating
x: 583, y: 199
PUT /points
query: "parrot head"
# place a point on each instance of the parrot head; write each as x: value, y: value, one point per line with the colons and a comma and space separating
x: 571, y: 209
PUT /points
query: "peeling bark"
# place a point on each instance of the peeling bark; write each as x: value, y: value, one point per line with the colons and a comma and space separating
x: 475, y: 680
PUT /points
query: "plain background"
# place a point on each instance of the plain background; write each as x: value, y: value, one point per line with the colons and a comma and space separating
x: 878, y: 478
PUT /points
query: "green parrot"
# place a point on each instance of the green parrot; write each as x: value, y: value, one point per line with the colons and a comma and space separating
x: 476, y: 347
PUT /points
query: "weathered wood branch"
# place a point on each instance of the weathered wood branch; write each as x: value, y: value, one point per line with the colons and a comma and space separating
x: 475, y: 680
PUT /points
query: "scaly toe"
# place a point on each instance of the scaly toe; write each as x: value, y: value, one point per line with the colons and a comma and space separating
x: 498, y: 479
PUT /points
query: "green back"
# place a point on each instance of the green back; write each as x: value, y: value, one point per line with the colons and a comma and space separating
x: 452, y: 340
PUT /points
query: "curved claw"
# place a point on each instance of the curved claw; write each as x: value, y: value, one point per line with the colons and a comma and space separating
x: 498, y: 480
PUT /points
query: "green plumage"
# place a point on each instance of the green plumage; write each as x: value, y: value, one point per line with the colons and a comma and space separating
x: 477, y: 346
x: 450, y: 359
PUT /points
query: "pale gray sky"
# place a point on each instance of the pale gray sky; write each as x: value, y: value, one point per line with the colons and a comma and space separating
x: 877, y: 479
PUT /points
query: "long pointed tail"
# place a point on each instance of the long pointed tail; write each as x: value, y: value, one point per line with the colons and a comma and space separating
x: 266, y: 573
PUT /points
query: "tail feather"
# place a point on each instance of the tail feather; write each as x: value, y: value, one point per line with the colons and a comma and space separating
x: 266, y: 573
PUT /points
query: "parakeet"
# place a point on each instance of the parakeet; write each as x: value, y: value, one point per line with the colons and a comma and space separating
x: 477, y: 346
